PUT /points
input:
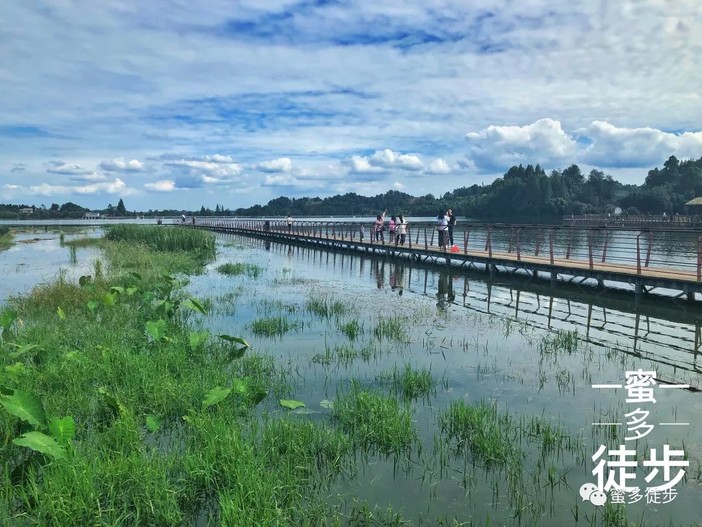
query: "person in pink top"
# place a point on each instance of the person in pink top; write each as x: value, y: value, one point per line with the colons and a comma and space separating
x: 379, y: 227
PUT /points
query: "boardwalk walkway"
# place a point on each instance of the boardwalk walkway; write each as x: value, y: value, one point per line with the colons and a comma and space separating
x: 543, y: 263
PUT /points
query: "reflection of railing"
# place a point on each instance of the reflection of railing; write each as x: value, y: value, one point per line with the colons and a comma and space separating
x: 670, y: 251
x: 654, y: 221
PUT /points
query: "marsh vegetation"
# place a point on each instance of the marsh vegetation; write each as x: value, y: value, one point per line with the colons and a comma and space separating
x: 159, y: 389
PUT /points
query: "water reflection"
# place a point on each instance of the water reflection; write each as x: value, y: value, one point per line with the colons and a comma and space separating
x: 665, y: 331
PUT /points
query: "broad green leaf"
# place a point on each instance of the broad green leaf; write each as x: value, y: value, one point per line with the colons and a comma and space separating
x: 26, y: 406
x: 110, y: 299
x: 112, y: 401
x: 117, y: 289
x: 156, y: 329
x: 13, y: 370
x: 326, y: 404
x: 153, y: 423
x: 240, y: 386
x: 43, y: 443
x: 60, y: 313
x: 198, y: 337
x: 291, y: 404
x: 22, y: 349
x: 7, y: 318
x: 132, y: 290
x: 93, y: 305
x: 193, y: 304
x: 62, y: 429
x: 215, y: 395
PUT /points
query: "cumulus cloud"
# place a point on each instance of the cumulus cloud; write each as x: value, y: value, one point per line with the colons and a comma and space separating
x: 439, y: 166
x: 388, y: 159
x: 117, y: 186
x: 384, y: 161
x: 164, y: 185
x: 282, y: 164
x: 195, y: 173
x: 543, y: 141
x: 611, y: 146
x: 600, y: 144
x: 120, y: 165
x: 72, y: 169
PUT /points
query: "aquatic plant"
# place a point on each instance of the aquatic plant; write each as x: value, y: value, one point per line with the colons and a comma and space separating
x: 239, y: 268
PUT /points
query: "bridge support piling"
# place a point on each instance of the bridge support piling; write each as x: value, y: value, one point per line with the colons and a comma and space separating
x: 600, y: 283
x: 638, y: 290
x: 554, y: 278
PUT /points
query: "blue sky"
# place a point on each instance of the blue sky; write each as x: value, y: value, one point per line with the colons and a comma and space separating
x: 179, y: 104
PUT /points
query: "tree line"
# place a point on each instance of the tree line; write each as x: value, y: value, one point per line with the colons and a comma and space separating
x: 522, y: 193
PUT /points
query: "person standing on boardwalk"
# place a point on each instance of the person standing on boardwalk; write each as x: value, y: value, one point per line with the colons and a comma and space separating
x: 400, y: 230
x: 361, y: 231
x: 451, y: 225
x: 392, y: 224
x: 379, y: 227
x: 289, y: 220
x: 442, y: 228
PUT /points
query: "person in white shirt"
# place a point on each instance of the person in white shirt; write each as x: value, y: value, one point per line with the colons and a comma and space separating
x: 442, y: 222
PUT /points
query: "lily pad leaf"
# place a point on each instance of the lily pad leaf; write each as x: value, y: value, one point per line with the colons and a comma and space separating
x: 41, y: 442
x: 62, y: 429
x: 26, y: 406
x: 291, y: 404
x: 215, y: 395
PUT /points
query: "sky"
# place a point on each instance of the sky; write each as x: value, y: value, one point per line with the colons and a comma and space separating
x: 178, y: 104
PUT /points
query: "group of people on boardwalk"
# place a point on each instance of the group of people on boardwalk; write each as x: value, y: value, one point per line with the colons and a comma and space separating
x: 397, y: 229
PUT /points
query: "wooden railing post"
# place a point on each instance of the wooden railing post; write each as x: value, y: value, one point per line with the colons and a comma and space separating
x: 638, y: 253
x: 466, y: 237
x: 488, y: 242
x: 551, y: 235
x: 426, y: 245
x: 570, y: 244
x: 699, y: 258
x: 589, y: 247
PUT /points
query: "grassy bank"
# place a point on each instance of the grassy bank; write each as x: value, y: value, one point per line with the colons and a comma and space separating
x: 119, y: 409
x: 5, y: 238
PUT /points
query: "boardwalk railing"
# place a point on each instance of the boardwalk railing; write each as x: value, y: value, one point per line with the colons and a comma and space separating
x: 677, y: 253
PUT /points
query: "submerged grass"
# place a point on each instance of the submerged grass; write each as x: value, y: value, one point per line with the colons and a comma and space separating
x: 375, y: 421
x: 239, y: 268
x: 274, y: 326
x: 413, y: 384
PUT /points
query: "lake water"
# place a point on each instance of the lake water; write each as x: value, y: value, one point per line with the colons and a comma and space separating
x: 482, y: 342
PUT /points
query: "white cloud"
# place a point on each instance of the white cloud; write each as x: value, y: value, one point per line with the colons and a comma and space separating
x: 543, y: 141
x: 164, y: 185
x: 282, y: 164
x: 611, y: 146
x: 389, y: 159
x: 439, y: 166
x: 120, y: 165
x: 194, y: 173
x: 69, y: 168
x: 361, y: 165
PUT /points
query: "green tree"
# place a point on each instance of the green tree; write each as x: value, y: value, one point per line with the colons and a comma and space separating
x: 121, y: 208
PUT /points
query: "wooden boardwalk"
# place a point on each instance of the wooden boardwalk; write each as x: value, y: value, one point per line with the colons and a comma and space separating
x: 683, y: 281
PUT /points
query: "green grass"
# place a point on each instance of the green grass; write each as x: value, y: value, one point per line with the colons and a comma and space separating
x: 375, y: 421
x: 413, y: 384
x: 352, y: 329
x: 326, y: 307
x: 239, y: 268
x: 5, y: 238
x: 274, y: 326
x: 164, y: 238
x: 391, y: 328
x: 561, y: 341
